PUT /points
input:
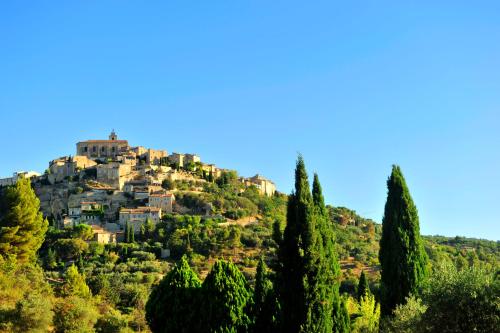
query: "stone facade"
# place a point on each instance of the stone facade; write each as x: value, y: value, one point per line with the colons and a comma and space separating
x: 102, y: 149
x: 137, y: 216
x: 63, y: 167
x: 191, y: 158
x: 177, y: 159
x: 13, y: 180
x: 163, y: 201
x: 265, y: 186
x: 113, y: 174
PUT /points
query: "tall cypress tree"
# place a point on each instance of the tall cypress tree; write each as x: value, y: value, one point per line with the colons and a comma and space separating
x: 327, y: 283
x: 309, y: 265
x: 402, y: 256
x: 296, y: 238
x: 22, y: 226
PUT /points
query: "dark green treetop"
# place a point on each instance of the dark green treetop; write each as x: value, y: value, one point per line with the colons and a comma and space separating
x: 172, y: 305
x: 363, y: 286
x: 227, y: 299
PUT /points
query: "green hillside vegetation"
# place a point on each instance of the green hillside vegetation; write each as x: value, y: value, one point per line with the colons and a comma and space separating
x: 233, y: 263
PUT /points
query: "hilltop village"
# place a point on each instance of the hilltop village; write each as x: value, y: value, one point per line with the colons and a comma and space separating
x: 109, y: 185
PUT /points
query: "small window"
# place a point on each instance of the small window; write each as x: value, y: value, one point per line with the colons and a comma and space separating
x: 94, y: 149
x: 85, y: 149
x: 102, y: 149
x: 113, y: 149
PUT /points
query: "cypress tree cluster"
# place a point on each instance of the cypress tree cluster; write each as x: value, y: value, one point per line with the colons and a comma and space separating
x: 310, y: 270
x: 402, y: 256
x: 22, y: 226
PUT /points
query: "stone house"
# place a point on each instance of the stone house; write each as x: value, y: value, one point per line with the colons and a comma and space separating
x: 164, y: 201
x: 114, y: 174
x: 265, y: 186
x: 138, y: 216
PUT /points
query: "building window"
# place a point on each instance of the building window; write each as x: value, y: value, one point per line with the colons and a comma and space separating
x: 113, y: 149
x: 94, y: 149
x: 102, y: 149
x: 85, y: 149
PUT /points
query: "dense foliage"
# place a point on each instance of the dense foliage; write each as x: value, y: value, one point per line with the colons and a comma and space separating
x: 402, y: 256
x: 79, y: 285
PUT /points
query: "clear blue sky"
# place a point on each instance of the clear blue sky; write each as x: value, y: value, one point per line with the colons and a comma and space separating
x: 353, y: 86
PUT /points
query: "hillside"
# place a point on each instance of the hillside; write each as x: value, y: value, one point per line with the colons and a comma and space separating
x: 103, y: 266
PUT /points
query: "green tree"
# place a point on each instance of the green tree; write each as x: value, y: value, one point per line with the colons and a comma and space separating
x: 368, y: 316
x: 149, y: 227
x: 402, y: 256
x: 74, y: 315
x: 265, y: 309
x: 75, y: 283
x: 82, y: 231
x: 309, y: 273
x: 363, y: 286
x: 327, y: 270
x: 226, y: 299
x: 341, y: 319
x: 462, y: 301
x: 22, y: 226
x: 33, y: 313
x: 172, y: 305
x: 142, y: 232
x: 51, y: 259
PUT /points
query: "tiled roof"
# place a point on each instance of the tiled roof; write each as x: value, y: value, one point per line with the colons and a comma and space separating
x: 105, y: 141
x: 139, y: 210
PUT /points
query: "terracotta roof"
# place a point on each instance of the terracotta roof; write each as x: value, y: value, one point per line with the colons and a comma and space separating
x: 139, y: 210
x: 105, y: 141
x: 88, y: 203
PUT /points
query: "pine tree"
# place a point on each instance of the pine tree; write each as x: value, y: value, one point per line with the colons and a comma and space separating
x: 363, y: 286
x: 402, y: 256
x: 226, y: 299
x: 309, y: 265
x: 22, y: 226
x: 75, y: 283
x: 172, y: 305
x: 51, y: 259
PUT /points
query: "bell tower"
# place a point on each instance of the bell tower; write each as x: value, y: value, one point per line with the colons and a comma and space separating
x: 113, y: 135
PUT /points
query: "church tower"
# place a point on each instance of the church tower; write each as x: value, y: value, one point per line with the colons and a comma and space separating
x: 113, y: 135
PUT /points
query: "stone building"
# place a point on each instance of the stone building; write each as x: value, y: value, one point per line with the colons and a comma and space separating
x: 265, y: 186
x: 63, y: 167
x: 137, y: 216
x: 164, y: 201
x: 191, y: 158
x: 177, y: 159
x: 113, y: 174
x: 148, y: 155
x: 102, y: 149
x: 13, y: 180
